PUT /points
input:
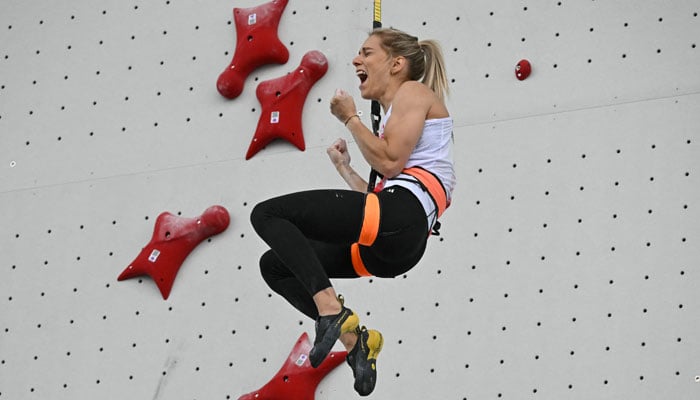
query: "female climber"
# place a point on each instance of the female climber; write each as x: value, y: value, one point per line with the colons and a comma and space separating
x: 320, y: 234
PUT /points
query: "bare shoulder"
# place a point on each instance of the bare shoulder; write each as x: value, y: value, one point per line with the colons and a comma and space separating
x: 414, y: 95
x: 413, y: 88
x: 420, y: 96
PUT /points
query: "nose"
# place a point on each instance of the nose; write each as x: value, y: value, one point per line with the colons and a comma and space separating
x: 356, y: 60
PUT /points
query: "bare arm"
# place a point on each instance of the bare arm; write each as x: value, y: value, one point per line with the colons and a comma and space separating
x: 388, y: 155
x: 338, y: 153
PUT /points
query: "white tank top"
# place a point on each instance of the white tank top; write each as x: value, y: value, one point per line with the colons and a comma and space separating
x: 433, y: 152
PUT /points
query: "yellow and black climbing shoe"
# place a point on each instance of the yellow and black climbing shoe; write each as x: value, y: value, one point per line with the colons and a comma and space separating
x: 363, y: 360
x: 328, y: 330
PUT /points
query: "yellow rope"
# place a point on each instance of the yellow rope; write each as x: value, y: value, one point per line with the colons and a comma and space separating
x: 378, y: 10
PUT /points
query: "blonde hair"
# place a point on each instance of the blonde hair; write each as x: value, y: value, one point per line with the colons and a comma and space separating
x: 425, y: 60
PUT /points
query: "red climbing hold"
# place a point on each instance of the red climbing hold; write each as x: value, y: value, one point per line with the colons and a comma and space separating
x: 522, y: 69
x: 257, y: 44
x: 297, y: 379
x: 282, y: 101
x: 172, y: 241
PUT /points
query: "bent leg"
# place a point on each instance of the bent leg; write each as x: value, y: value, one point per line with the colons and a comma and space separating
x: 289, y: 223
x: 282, y: 281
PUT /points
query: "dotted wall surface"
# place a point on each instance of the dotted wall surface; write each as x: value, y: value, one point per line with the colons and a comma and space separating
x: 567, y: 266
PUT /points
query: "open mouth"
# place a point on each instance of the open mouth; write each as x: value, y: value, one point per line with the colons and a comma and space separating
x: 362, y: 75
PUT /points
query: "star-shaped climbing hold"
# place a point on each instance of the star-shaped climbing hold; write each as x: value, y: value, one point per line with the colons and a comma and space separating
x: 297, y: 379
x: 256, y: 44
x: 282, y: 101
x: 172, y: 241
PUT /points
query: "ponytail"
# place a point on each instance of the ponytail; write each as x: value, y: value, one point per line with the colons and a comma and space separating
x: 435, y: 75
x: 425, y: 60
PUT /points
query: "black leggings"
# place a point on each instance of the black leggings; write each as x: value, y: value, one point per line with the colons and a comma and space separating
x: 310, y: 234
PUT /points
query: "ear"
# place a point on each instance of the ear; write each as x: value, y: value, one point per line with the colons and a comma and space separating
x: 398, y: 64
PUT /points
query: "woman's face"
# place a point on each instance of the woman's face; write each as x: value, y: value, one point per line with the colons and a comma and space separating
x: 372, y: 65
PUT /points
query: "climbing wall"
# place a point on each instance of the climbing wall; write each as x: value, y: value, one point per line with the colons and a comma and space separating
x: 567, y: 266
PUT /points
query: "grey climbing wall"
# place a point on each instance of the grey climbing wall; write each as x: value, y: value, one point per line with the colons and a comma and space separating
x: 568, y: 265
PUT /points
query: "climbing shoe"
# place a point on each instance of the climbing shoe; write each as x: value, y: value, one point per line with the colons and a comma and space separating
x: 363, y: 360
x: 328, y: 330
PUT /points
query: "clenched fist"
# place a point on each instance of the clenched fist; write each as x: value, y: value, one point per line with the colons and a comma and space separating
x: 343, y: 105
x: 338, y: 153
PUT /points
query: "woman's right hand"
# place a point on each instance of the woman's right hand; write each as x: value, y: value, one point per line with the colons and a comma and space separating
x: 343, y: 105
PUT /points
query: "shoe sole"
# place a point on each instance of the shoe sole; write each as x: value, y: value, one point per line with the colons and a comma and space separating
x: 366, y: 379
x: 321, y: 350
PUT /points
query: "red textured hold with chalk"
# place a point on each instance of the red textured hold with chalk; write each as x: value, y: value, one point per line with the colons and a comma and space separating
x: 297, y: 379
x: 523, y: 69
x: 172, y: 241
x: 282, y: 101
x: 257, y: 44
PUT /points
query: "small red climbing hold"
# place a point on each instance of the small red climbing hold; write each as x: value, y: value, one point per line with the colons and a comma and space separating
x: 523, y: 69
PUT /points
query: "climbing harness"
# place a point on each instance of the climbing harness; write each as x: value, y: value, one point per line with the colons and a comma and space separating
x: 372, y: 213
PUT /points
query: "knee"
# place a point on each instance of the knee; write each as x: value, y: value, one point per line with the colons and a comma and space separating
x: 270, y: 267
x: 258, y: 216
x: 255, y: 216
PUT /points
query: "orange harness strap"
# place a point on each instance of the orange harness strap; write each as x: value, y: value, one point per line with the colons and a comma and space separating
x: 370, y: 222
x: 368, y: 233
x: 433, y: 185
x: 357, y: 263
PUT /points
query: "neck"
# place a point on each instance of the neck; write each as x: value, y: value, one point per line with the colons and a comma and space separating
x: 388, y: 97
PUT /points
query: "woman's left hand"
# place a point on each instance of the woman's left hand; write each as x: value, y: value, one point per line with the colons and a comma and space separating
x: 338, y: 153
x: 343, y: 105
